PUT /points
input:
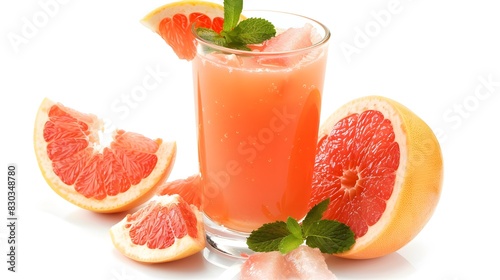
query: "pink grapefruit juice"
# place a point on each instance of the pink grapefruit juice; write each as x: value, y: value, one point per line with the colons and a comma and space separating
x: 258, y: 123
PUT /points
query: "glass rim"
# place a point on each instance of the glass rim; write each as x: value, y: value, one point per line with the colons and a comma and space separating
x: 325, y: 38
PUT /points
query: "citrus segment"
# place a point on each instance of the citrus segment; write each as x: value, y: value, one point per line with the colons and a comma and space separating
x: 97, y: 177
x: 173, y: 22
x: 381, y: 167
x: 189, y: 189
x: 165, y: 229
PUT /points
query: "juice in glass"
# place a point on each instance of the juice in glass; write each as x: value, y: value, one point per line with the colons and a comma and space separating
x: 258, y: 116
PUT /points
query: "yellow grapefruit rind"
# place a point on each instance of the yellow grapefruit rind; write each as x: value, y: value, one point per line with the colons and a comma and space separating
x: 182, y: 248
x: 418, y: 181
x: 133, y: 197
x: 153, y: 19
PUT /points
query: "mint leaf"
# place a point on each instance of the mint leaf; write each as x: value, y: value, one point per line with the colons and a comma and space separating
x: 314, y: 215
x: 293, y: 226
x: 210, y: 35
x: 252, y: 31
x: 268, y: 237
x: 330, y: 236
x: 289, y: 243
x: 236, y: 34
x: 232, y: 12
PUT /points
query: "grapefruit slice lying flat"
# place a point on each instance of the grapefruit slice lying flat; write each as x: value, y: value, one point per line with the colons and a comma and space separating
x: 97, y: 177
x: 165, y: 229
x: 173, y: 23
x: 381, y: 167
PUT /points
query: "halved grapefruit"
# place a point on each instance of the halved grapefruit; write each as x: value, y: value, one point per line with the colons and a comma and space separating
x: 173, y: 23
x: 381, y: 166
x: 100, y: 178
x: 165, y: 229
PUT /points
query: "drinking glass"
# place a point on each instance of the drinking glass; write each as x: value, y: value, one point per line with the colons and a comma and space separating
x: 258, y: 114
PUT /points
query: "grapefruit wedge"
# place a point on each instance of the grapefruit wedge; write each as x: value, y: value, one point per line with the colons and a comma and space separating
x: 173, y: 22
x: 190, y: 189
x: 381, y: 166
x: 165, y: 229
x: 93, y: 176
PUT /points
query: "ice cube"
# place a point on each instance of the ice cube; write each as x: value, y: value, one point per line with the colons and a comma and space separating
x: 303, y: 263
x: 270, y: 265
x: 291, y: 39
x: 308, y: 263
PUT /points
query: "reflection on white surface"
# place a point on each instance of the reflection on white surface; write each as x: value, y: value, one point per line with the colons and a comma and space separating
x: 392, y: 266
x: 231, y: 273
x: 218, y: 259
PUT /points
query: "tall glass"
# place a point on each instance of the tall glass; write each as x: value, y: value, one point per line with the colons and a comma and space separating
x: 258, y: 115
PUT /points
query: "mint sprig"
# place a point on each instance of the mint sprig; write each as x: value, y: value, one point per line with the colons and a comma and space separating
x: 238, y: 34
x: 329, y: 236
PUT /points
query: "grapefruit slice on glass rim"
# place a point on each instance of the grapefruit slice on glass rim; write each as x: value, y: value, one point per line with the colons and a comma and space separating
x: 381, y: 166
x: 165, y: 229
x: 173, y: 23
x: 101, y: 178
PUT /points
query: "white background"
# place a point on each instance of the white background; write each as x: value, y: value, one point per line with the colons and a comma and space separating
x: 432, y: 56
